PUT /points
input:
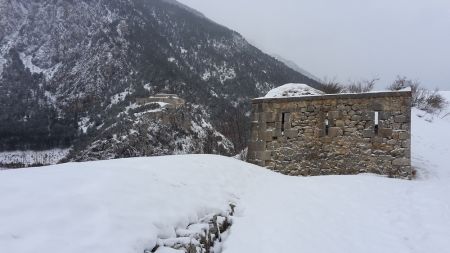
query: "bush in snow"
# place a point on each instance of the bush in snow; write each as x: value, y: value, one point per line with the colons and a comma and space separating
x: 332, y: 87
x: 423, y: 99
x: 361, y: 86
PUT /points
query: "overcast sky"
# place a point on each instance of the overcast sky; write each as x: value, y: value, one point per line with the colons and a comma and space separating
x: 347, y: 39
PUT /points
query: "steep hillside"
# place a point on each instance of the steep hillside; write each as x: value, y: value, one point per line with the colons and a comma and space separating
x: 70, y: 71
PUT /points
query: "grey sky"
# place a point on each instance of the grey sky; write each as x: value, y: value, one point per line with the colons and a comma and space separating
x: 347, y: 39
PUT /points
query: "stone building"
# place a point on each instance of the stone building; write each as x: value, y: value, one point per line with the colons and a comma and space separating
x: 172, y: 100
x: 333, y: 134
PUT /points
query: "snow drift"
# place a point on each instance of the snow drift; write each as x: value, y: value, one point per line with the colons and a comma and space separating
x: 293, y: 90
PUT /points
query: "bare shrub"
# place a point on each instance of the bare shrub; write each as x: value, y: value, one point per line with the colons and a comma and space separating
x: 402, y: 82
x: 332, y: 87
x: 432, y: 102
x: 361, y: 86
x: 429, y: 101
x: 335, y: 87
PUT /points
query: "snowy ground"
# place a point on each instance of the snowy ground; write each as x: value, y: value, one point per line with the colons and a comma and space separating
x: 125, y: 205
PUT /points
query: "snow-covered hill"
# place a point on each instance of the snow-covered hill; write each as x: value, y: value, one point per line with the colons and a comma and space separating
x: 126, y: 205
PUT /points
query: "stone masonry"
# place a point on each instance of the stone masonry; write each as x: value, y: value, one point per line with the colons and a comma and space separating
x: 333, y: 134
x: 172, y: 100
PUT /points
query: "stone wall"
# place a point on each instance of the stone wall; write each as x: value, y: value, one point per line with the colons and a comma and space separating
x: 333, y: 134
x: 172, y: 101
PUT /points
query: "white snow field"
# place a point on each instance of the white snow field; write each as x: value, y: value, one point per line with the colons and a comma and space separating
x: 125, y: 205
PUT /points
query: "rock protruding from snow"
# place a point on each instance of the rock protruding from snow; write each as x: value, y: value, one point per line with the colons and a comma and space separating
x: 206, y: 235
x: 293, y: 90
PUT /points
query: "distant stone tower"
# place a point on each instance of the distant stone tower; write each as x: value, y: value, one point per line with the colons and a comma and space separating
x: 333, y: 134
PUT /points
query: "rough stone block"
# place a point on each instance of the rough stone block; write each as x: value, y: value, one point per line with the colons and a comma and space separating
x: 406, y: 144
x: 401, y: 162
x: 287, y: 116
x: 335, y: 131
x: 262, y: 116
x: 406, y: 127
x: 268, y: 135
x: 384, y: 115
x: 376, y: 141
x: 382, y: 123
x: 271, y: 117
x: 254, y: 124
x: 291, y: 133
x: 308, y: 131
x: 264, y: 155
x: 277, y: 133
x: 368, y: 133
x: 259, y: 108
x: 349, y: 131
x: 276, y: 106
x: 400, y: 119
x: 376, y: 106
x: 385, y: 132
x: 399, y: 152
x: 334, y: 115
x: 278, y: 125
x: 288, y: 107
x: 356, y: 118
x: 392, y: 142
x: 403, y: 135
x: 368, y: 116
x: 251, y: 156
x: 254, y: 135
x: 273, y: 145
x: 255, y: 116
x: 340, y: 123
x: 257, y: 146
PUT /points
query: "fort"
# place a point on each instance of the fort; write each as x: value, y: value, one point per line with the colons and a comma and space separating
x: 333, y: 134
x: 172, y: 100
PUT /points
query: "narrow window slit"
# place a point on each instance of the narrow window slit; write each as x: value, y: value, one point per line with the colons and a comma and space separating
x: 283, y: 116
x: 327, y: 125
x: 376, y: 123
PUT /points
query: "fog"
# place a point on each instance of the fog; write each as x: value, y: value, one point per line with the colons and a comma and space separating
x: 348, y: 39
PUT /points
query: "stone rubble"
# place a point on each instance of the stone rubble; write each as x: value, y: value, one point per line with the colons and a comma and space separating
x: 202, y: 237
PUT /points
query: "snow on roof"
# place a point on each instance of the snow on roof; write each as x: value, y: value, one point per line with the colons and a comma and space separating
x: 406, y: 89
x: 293, y: 90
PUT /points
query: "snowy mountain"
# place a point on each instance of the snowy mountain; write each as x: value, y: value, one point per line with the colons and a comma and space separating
x: 297, y: 68
x: 132, y: 205
x: 71, y: 71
